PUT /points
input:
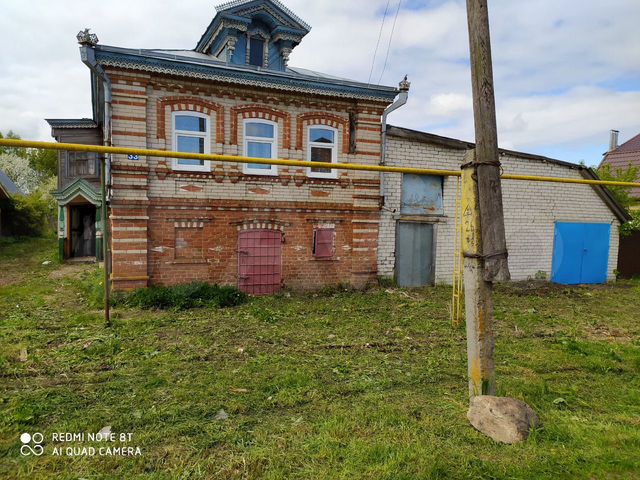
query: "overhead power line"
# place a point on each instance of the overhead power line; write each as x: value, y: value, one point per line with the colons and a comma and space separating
x: 375, y: 52
x: 393, y: 29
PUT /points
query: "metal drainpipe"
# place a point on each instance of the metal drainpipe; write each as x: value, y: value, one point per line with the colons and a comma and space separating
x: 87, y: 54
x: 402, y: 99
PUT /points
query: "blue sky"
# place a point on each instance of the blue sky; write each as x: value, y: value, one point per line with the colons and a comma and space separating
x: 566, y: 72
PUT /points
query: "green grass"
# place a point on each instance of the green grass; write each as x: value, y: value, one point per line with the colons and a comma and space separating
x: 342, y: 385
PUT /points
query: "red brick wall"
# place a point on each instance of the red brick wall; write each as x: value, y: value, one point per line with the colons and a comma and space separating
x: 213, y: 230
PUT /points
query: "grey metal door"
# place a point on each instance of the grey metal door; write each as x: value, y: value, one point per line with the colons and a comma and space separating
x: 414, y: 254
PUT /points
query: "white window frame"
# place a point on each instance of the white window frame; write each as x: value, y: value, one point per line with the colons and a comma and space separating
x: 334, y: 151
x: 206, y: 135
x: 246, y: 169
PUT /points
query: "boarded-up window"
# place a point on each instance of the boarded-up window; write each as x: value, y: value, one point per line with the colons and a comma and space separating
x: 189, y: 243
x: 82, y: 164
x: 324, y: 242
x: 422, y: 195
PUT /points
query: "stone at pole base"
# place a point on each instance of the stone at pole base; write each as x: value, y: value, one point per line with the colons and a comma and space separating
x: 505, y: 420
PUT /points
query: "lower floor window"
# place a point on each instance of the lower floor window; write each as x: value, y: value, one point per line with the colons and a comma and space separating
x: 324, y: 242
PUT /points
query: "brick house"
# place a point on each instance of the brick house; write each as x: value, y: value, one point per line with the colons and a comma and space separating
x: 256, y: 226
x: 264, y: 227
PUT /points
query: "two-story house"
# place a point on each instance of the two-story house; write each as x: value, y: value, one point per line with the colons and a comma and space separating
x: 257, y: 226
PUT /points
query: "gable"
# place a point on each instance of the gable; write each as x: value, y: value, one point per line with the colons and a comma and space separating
x: 255, y: 33
x: 79, y: 188
x: 272, y: 9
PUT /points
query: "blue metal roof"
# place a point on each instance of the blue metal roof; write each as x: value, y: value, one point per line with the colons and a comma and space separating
x: 188, y: 63
x: 7, y: 185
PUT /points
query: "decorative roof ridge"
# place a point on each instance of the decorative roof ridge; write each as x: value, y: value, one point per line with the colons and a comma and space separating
x: 284, y: 8
x: 105, y: 55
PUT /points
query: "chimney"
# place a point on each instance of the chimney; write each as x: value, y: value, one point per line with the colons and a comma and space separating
x: 613, y: 140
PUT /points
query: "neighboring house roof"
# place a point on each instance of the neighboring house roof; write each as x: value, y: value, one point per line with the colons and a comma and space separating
x: 586, y: 172
x: 7, y: 187
x: 71, y: 123
x: 188, y: 63
x: 626, y: 155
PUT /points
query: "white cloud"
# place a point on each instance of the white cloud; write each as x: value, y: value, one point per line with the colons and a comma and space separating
x: 565, y: 71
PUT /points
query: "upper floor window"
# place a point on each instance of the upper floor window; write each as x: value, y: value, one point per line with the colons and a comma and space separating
x: 256, y: 51
x: 260, y: 141
x: 191, y: 135
x: 82, y: 164
x: 322, y: 148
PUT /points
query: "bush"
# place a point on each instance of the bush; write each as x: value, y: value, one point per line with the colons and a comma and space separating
x: 28, y: 216
x: 632, y: 226
x: 183, y: 297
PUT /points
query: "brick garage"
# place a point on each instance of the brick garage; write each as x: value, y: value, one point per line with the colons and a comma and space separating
x: 531, y: 209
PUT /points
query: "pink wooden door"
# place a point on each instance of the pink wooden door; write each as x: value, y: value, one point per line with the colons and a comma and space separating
x: 260, y: 262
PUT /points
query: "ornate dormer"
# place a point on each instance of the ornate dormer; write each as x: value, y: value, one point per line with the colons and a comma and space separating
x: 258, y: 33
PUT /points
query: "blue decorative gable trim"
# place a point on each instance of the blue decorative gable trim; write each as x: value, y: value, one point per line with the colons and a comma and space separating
x: 257, y: 32
x: 210, y: 69
x: 280, y: 5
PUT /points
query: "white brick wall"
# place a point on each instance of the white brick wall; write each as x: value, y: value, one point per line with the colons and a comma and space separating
x: 531, y: 210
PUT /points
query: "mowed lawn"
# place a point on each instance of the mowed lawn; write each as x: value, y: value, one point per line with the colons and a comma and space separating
x: 338, y: 385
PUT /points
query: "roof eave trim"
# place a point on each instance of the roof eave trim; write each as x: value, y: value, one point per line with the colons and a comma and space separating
x: 251, y: 79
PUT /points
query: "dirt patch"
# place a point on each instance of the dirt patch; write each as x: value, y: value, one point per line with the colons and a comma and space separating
x: 10, y: 279
x: 615, y: 335
x: 543, y: 288
x: 70, y: 271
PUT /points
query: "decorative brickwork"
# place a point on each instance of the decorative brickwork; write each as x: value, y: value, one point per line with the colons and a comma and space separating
x: 173, y: 226
x: 177, y: 104
x: 322, y: 118
x: 174, y: 252
x: 263, y: 112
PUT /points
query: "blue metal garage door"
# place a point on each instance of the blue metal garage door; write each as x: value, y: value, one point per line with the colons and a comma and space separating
x: 581, y: 253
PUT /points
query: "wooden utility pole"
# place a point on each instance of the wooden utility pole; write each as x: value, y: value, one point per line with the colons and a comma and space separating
x: 484, y: 241
x: 105, y: 243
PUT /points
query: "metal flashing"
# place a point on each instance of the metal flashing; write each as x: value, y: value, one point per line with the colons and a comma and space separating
x: 196, y: 65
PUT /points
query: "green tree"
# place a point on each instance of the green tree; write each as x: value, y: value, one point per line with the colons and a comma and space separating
x: 44, y: 162
x: 629, y: 174
x: 18, y: 152
x: 20, y: 172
